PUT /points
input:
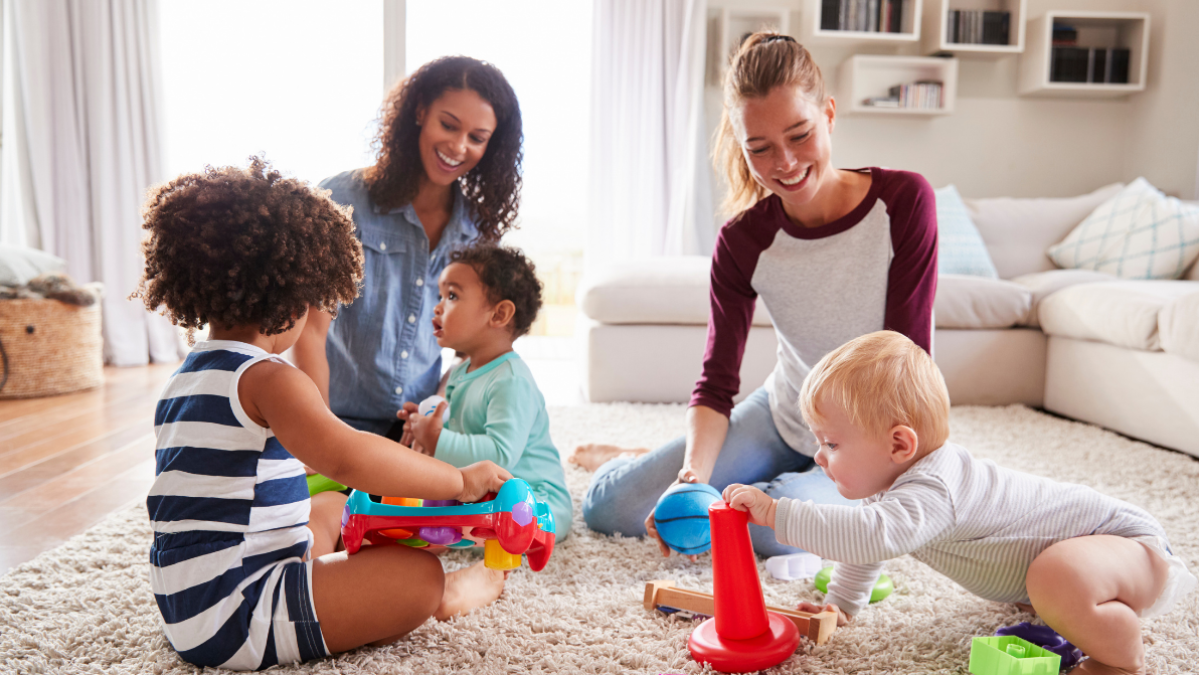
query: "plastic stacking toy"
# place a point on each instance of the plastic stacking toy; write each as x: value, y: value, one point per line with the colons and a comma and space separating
x: 667, y: 598
x: 511, y: 524
x: 681, y: 517
x: 742, y: 636
x: 882, y: 587
x: 1010, y: 655
x: 318, y: 484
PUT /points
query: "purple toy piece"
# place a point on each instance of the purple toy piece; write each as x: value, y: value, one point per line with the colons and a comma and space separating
x: 441, y: 502
x: 1046, y: 638
x: 522, y: 513
x: 442, y: 536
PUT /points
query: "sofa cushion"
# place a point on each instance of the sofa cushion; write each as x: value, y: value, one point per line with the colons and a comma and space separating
x: 1044, y: 284
x: 654, y: 291
x: 960, y: 248
x: 965, y: 301
x: 1178, y: 325
x: 1017, y: 231
x: 1138, y: 234
x: 19, y: 264
x: 1121, y: 313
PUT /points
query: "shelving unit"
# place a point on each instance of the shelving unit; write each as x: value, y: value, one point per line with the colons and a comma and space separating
x: 864, y: 76
x: 935, y: 38
x: 1099, y: 30
x: 910, y: 14
x: 737, y: 22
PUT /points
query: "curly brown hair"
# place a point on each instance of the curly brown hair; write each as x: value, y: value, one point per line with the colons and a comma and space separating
x: 506, y: 274
x: 492, y: 188
x: 239, y: 247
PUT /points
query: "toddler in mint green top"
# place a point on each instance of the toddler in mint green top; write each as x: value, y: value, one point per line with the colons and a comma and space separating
x: 498, y: 413
x: 490, y: 296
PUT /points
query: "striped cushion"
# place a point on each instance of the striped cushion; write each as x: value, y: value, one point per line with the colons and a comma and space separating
x: 960, y: 248
x: 1138, y: 234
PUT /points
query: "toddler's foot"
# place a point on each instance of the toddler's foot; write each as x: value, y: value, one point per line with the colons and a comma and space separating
x: 1093, y: 667
x: 593, y: 455
x: 468, y: 589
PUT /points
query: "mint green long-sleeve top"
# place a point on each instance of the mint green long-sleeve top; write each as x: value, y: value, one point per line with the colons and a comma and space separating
x: 498, y: 413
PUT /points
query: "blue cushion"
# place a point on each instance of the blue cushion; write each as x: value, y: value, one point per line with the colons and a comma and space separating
x: 960, y: 248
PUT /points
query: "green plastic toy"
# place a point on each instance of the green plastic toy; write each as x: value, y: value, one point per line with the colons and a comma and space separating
x: 1010, y: 655
x: 318, y: 484
x: 882, y: 588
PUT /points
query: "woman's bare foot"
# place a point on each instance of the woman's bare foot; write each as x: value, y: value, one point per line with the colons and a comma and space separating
x: 468, y: 589
x: 593, y: 455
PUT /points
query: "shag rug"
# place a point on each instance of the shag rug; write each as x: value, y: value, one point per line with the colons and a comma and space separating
x: 86, y: 606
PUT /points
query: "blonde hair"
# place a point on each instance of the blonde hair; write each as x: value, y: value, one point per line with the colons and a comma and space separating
x: 764, y: 61
x: 880, y: 380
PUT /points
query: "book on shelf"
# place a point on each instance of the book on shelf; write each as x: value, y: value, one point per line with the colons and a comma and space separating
x: 1100, y: 65
x: 977, y: 27
x: 862, y: 16
x: 1064, y: 35
x: 922, y: 95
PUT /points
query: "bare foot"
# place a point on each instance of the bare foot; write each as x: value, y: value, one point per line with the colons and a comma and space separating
x: 593, y: 455
x: 1093, y: 667
x: 469, y: 589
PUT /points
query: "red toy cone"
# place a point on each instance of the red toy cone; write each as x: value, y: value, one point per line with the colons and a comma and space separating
x: 743, y: 636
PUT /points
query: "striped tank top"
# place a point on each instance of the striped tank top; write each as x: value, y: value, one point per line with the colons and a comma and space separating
x: 228, y: 509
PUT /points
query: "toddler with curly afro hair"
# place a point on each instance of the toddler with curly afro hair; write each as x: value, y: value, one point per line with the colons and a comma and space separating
x: 249, y: 253
x: 236, y: 247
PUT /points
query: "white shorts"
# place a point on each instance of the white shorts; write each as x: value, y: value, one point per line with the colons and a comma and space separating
x: 1179, y: 582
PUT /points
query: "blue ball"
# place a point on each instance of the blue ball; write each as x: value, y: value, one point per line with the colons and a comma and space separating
x: 682, y: 517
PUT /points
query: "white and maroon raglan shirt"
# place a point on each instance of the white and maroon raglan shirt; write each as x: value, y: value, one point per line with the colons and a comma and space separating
x: 873, y: 269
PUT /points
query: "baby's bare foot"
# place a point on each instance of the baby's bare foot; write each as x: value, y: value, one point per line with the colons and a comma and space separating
x: 1093, y: 667
x: 593, y: 455
x: 468, y: 589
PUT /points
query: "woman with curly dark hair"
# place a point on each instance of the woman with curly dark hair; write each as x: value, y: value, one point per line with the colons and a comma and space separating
x: 447, y: 174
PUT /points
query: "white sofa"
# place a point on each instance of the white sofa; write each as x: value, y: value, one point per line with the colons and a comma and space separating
x: 1120, y: 354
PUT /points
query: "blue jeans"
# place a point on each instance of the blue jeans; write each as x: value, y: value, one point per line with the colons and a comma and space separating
x: 624, y: 490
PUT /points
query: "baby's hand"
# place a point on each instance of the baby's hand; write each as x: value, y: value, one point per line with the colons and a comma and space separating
x: 748, y: 498
x: 810, y: 608
x: 480, y: 478
x: 426, y: 429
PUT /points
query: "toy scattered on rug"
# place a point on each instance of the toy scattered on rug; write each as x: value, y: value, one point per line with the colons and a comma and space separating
x: 681, y: 517
x: 882, y: 588
x: 793, y: 566
x: 1045, y: 638
x: 513, y: 523
x: 662, y: 595
x: 1010, y: 655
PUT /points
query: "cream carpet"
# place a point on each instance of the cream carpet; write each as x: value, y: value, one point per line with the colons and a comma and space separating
x: 86, y: 607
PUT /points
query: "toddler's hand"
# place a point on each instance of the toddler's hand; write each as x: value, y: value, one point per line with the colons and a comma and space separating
x: 480, y: 478
x: 426, y: 429
x: 748, y: 498
x: 810, y: 608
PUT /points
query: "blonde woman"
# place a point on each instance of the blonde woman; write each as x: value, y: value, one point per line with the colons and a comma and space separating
x: 834, y: 254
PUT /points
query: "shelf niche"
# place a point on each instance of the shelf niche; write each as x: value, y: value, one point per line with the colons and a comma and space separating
x: 909, y: 28
x: 1096, y: 30
x: 865, y: 76
x: 935, y: 35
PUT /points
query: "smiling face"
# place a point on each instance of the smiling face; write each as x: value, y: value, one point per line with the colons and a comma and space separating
x: 860, y: 463
x: 455, y: 130
x: 462, y: 316
x: 784, y: 137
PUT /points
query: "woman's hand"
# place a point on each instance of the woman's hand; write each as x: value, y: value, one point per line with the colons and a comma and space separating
x: 686, y: 475
x: 811, y: 608
x: 426, y: 429
x: 760, y: 506
x: 480, y: 478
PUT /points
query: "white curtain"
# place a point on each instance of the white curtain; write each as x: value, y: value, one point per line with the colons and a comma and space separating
x: 82, y: 98
x: 650, y: 192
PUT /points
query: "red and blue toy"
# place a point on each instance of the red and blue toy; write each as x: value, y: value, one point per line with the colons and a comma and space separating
x: 514, y: 522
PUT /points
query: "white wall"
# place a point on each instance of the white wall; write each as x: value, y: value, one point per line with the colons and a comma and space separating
x: 997, y: 143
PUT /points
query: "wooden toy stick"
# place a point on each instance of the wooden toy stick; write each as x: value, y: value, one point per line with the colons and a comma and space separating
x: 817, y: 627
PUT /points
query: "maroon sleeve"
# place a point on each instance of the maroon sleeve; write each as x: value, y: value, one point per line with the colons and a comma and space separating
x: 912, y: 280
x: 732, y: 301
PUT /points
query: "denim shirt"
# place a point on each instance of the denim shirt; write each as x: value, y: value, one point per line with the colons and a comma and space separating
x: 381, y: 348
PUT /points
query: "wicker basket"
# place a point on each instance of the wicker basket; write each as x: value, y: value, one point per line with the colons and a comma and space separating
x: 51, y: 347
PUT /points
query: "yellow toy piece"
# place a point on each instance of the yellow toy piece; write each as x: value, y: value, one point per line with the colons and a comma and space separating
x: 496, y: 558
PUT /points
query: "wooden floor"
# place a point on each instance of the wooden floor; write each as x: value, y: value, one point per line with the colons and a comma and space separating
x: 66, y: 462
